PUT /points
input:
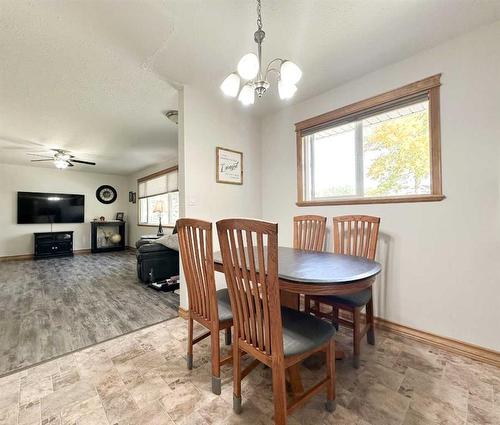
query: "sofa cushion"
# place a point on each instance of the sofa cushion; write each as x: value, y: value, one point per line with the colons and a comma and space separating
x: 152, y: 247
x: 170, y: 241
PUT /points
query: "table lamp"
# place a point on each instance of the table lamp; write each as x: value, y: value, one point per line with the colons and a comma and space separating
x: 159, y: 209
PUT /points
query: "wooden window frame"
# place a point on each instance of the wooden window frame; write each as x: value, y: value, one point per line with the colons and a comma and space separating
x: 429, y: 86
x: 149, y: 177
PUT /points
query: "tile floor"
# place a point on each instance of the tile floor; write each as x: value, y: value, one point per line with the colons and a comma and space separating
x: 141, y: 378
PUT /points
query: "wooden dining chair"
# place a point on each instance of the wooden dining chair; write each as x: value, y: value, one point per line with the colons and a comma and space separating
x: 352, y: 235
x: 309, y: 232
x: 275, y: 336
x: 210, y: 308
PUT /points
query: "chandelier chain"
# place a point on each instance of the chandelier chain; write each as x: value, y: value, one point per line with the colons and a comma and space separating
x: 259, y: 15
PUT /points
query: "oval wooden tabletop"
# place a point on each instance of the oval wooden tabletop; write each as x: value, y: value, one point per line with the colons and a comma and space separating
x: 320, y: 267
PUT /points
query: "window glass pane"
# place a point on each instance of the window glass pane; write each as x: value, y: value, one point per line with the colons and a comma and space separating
x: 396, y: 152
x: 154, y: 217
x: 173, y: 208
x: 386, y: 154
x: 333, y: 157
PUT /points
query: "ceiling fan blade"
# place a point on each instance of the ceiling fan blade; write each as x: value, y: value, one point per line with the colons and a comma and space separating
x: 41, y: 156
x: 83, y: 162
x: 41, y: 160
x: 70, y: 164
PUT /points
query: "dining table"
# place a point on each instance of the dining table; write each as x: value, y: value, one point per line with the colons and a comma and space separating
x: 317, y: 273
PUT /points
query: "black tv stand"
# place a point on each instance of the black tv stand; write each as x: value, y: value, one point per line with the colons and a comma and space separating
x: 53, y: 244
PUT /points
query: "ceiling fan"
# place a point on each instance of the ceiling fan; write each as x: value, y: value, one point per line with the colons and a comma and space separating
x: 61, y: 158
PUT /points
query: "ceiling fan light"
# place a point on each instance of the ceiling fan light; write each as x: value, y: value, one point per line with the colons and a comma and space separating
x: 286, y: 90
x: 231, y: 85
x: 60, y: 163
x: 248, y: 66
x: 290, y: 73
x: 247, y: 95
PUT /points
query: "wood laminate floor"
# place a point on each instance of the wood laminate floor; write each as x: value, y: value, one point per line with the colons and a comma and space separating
x: 55, y: 306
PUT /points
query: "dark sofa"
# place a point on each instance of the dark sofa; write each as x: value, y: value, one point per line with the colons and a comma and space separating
x: 155, y: 261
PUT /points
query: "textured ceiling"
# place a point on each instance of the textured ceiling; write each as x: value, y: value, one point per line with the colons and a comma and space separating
x: 92, y: 76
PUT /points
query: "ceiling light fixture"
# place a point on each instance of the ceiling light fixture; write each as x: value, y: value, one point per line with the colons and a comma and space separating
x: 172, y: 115
x: 254, y: 80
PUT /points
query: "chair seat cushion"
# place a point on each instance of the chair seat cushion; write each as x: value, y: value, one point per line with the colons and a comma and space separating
x: 224, y: 305
x: 358, y: 299
x: 303, y: 332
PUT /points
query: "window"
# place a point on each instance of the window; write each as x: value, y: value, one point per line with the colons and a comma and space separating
x: 159, y: 191
x: 383, y: 149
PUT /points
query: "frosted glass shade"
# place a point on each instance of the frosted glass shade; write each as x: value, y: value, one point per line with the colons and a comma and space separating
x: 286, y: 90
x: 59, y: 163
x: 247, y: 95
x: 290, y: 73
x: 231, y: 85
x: 248, y: 66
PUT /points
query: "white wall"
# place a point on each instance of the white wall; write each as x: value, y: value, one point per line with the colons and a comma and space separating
x: 441, y: 259
x: 17, y: 239
x: 134, y: 230
x: 208, y: 121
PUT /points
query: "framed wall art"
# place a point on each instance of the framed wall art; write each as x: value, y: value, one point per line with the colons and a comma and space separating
x: 229, y: 166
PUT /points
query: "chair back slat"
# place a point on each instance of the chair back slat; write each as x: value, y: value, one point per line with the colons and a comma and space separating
x: 356, y: 235
x: 309, y: 232
x: 196, y: 249
x: 250, y: 256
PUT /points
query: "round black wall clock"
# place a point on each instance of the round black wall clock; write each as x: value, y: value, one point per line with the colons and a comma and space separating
x: 106, y: 194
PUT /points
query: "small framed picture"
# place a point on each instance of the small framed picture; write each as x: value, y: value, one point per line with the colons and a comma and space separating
x: 120, y: 216
x: 134, y: 197
x: 229, y: 166
x: 131, y: 196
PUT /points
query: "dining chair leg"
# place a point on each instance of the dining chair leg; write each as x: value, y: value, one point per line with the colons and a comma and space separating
x: 189, y: 356
x: 279, y: 393
x: 330, y: 364
x: 227, y: 336
x: 356, y: 319
x: 370, y: 336
x: 215, y: 347
x: 236, y: 377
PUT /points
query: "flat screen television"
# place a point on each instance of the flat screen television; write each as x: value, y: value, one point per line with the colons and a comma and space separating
x: 34, y: 207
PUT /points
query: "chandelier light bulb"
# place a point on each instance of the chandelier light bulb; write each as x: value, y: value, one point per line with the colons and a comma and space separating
x: 286, y: 90
x: 247, y: 95
x: 253, y: 77
x: 231, y: 85
x: 248, y: 66
x: 60, y: 163
x: 290, y: 73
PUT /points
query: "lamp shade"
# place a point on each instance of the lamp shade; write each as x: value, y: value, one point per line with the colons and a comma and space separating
x: 290, y: 73
x: 286, y: 90
x: 248, y: 66
x: 231, y: 85
x: 159, y: 208
x: 247, y: 95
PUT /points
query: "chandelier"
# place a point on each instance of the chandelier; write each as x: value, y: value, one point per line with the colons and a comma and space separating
x: 251, y: 78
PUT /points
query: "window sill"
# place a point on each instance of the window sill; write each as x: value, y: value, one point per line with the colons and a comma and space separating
x: 377, y: 200
x: 168, y: 226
